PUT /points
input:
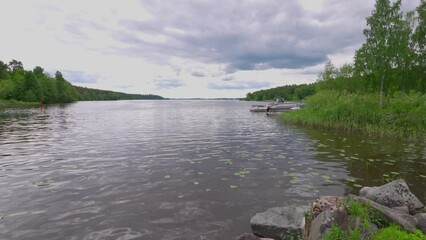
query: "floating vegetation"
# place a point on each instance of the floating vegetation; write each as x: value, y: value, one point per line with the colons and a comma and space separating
x: 370, y: 160
x: 389, y: 163
x: 294, y: 180
x: 354, y: 158
x: 43, y: 183
x: 228, y: 163
x: 233, y: 186
x: 167, y: 176
x: 242, y: 173
x: 326, y: 178
x: 91, y: 202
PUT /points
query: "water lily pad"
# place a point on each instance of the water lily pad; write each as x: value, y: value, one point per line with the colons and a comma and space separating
x: 91, y: 202
x: 325, y: 177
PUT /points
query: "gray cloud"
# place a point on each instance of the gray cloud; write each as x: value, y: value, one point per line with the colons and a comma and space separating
x: 244, y: 35
x: 162, y: 83
x: 228, y: 78
x: 237, y: 85
x: 198, y: 74
x: 80, y: 77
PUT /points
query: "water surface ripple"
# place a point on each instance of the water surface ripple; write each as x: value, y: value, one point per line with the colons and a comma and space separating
x: 175, y: 169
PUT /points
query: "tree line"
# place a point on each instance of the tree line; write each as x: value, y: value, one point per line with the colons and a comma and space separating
x: 289, y: 92
x: 391, y: 60
x: 36, y: 85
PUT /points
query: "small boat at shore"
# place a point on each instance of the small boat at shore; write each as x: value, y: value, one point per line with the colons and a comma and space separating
x: 277, y: 107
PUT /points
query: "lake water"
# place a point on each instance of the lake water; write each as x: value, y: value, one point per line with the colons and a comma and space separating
x: 176, y: 169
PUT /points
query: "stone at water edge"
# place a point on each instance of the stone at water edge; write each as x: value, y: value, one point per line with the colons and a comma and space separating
x: 249, y: 236
x: 325, y: 220
x: 406, y: 221
x: 279, y: 222
x: 421, y: 222
x: 393, y: 194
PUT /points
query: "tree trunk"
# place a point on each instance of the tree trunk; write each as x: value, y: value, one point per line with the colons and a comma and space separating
x: 381, y: 90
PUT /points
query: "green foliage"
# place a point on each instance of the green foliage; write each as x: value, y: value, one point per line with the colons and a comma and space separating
x: 34, y: 86
x: 291, y: 92
x: 359, y: 112
x: 88, y: 94
x: 394, y: 232
x: 335, y: 233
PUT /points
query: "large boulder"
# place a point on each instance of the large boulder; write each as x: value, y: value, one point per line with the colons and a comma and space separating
x: 250, y: 236
x: 325, y: 220
x: 421, y: 221
x: 279, y: 222
x: 406, y: 221
x: 393, y: 194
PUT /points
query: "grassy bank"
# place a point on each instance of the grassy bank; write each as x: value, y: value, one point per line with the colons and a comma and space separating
x: 403, y: 115
x: 16, y: 104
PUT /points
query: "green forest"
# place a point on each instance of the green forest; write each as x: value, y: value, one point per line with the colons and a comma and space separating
x: 36, y: 85
x: 290, y: 93
x: 383, y: 91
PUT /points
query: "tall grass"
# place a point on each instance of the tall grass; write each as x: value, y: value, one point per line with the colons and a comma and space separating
x: 402, y: 115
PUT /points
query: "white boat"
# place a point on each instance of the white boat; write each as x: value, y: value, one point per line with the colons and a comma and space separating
x: 278, y: 106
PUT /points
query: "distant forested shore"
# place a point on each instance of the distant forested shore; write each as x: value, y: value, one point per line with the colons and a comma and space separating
x: 19, y: 85
x: 383, y: 92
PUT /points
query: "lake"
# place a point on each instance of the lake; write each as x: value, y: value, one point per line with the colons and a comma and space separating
x: 176, y: 169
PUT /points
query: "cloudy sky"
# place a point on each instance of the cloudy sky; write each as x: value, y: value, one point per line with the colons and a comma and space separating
x: 184, y: 48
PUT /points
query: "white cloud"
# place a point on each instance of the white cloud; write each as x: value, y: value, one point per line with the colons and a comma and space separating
x: 184, y: 48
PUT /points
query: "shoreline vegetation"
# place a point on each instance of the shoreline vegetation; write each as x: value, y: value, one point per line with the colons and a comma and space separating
x: 383, y: 92
x: 19, y: 87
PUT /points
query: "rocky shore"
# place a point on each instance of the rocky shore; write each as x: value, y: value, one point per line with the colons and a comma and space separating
x: 354, y: 217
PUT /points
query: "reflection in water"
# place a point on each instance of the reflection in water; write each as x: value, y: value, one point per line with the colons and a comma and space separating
x: 174, y: 169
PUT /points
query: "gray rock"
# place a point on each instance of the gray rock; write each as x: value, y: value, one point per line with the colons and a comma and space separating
x: 249, y: 236
x: 326, y: 220
x: 403, y: 209
x: 393, y: 194
x: 279, y: 222
x: 421, y: 221
x: 406, y: 221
